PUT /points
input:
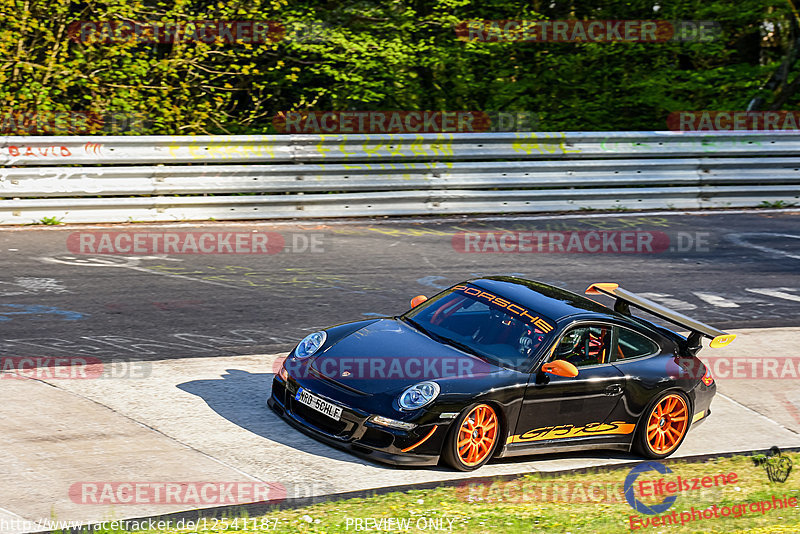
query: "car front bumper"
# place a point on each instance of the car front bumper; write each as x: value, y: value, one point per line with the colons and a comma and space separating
x: 355, y: 433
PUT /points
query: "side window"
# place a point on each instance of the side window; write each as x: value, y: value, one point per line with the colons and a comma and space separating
x: 584, y: 345
x: 632, y: 345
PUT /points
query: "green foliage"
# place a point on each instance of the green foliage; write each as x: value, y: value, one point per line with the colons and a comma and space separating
x: 49, y: 221
x: 390, y: 55
x: 777, y: 204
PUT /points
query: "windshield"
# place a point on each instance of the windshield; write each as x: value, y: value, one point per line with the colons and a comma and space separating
x: 482, y: 323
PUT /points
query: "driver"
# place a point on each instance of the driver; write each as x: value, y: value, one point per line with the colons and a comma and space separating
x: 497, y: 329
x: 584, y: 345
x: 530, y: 341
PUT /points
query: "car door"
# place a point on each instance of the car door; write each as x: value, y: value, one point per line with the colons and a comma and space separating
x: 645, y: 364
x: 558, y: 409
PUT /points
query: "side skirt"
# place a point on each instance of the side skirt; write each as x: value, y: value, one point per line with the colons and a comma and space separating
x: 525, y: 451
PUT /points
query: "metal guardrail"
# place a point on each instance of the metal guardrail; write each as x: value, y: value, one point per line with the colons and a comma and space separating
x: 71, y: 178
x: 118, y: 150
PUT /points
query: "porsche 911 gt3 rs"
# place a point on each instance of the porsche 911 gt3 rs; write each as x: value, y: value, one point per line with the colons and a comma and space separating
x: 498, y: 367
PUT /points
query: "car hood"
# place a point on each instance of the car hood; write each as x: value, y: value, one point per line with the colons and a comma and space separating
x: 389, y: 355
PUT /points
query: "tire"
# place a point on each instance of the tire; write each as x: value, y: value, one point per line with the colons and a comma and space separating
x: 663, y: 426
x: 477, y: 429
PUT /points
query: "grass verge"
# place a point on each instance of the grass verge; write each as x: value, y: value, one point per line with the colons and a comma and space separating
x: 591, y: 502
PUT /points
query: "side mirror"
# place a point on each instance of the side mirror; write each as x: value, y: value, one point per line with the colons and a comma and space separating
x: 560, y: 368
x: 419, y: 299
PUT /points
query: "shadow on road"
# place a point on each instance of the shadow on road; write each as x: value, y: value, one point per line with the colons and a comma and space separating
x: 241, y: 398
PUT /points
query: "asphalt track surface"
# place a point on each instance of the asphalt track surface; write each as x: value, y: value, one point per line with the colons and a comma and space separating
x: 736, y: 270
x: 209, y: 329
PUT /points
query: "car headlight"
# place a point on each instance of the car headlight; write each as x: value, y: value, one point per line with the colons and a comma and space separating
x: 418, y: 395
x: 310, y: 344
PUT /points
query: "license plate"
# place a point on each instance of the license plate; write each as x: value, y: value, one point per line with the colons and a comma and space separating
x: 320, y: 405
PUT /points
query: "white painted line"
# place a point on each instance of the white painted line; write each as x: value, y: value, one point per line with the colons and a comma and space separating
x: 605, y: 215
x: 11, y: 514
x: 715, y: 300
x: 130, y: 262
x: 11, y: 523
x: 389, y: 221
x: 777, y: 292
x: 669, y: 301
x: 759, y: 414
x: 741, y: 239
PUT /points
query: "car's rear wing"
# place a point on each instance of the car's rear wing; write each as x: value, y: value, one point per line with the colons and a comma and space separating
x: 625, y: 299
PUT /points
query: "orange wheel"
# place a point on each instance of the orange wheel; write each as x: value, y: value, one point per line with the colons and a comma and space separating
x: 474, y: 439
x: 666, y: 425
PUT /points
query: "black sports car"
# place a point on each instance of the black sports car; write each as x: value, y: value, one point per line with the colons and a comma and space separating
x: 497, y: 367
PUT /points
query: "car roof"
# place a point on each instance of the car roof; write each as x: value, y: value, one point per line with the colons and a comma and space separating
x: 550, y: 301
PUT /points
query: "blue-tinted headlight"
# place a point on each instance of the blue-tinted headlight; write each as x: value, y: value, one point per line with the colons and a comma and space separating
x: 418, y: 395
x: 310, y: 344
